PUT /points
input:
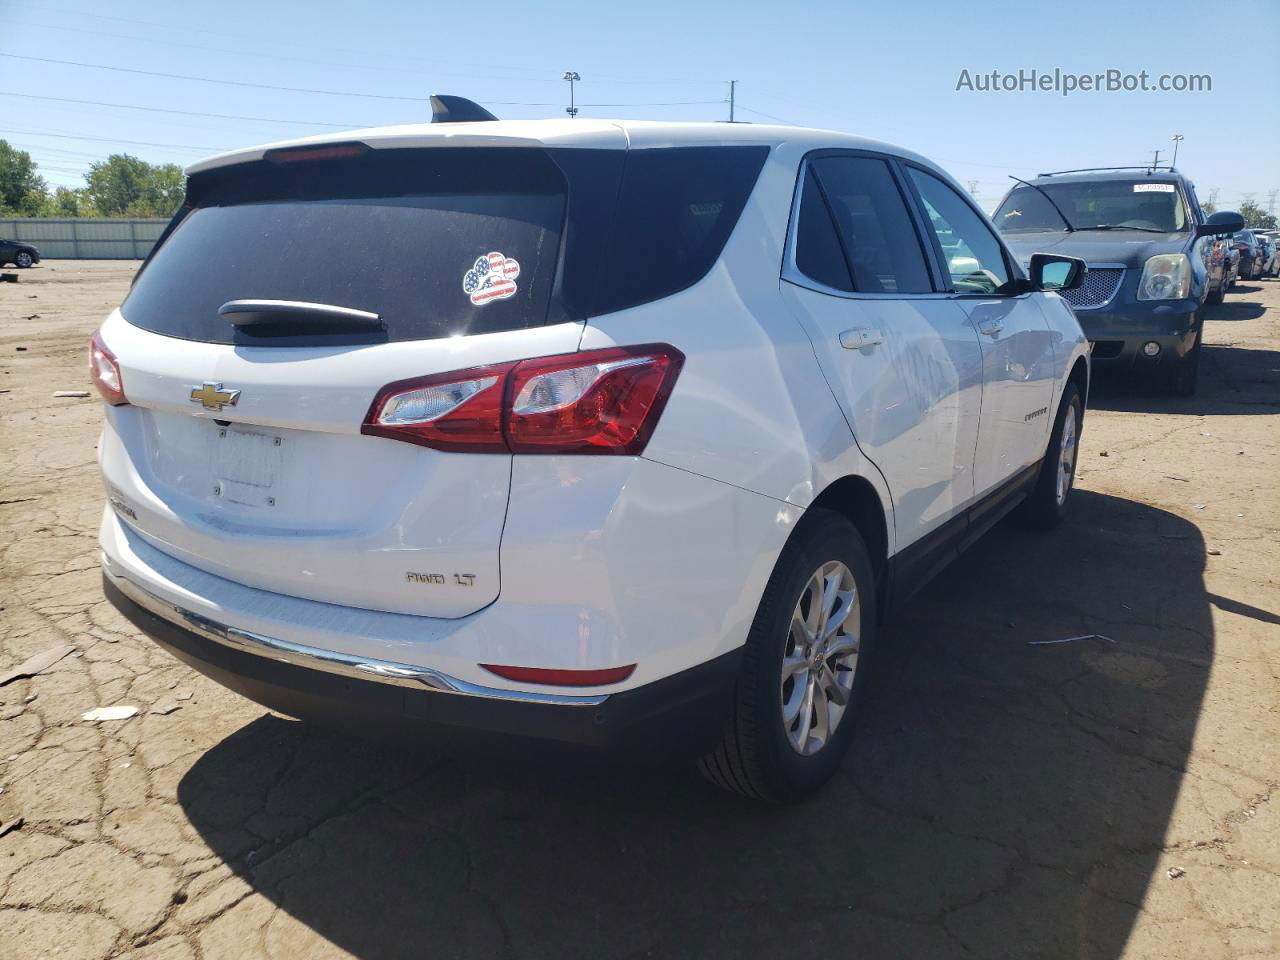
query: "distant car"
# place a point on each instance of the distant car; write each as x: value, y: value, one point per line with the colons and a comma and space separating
x: 1226, y: 260
x: 22, y: 254
x: 1270, y: 248
x: 1251, y: 255
x: 1150, y: 250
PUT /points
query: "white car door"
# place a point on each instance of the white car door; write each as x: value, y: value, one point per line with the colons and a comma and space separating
x: 1018, y: 368
x: 899, y: 354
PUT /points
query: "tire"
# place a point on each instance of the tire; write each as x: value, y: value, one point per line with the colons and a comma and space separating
x: 1046, y: 504
x: 1183, y: 377
x: 23, y: 259
x: 760, y: 755
x: 1217, y: 296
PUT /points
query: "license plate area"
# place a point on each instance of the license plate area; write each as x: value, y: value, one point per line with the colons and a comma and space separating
x: 247, y: 466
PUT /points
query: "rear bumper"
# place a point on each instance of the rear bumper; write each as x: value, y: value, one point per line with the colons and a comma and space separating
x: 685, y: 708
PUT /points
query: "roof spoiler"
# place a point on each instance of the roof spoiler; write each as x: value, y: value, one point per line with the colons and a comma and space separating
x: 446, y: 108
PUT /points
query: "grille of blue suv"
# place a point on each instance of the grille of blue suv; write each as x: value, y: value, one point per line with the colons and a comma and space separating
x: 1100, y: 285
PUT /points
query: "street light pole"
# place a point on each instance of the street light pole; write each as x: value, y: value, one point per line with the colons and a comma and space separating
x: 572, y: 77
x: 1177, y: 138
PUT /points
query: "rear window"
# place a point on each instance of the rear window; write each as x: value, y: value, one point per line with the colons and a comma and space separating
x: 415, y: 236
x: 442, y: 242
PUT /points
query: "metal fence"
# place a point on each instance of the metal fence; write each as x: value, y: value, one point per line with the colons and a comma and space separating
x: 83, y: 238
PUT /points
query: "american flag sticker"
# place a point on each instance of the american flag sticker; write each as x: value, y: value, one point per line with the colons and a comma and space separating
x: 491, y: 277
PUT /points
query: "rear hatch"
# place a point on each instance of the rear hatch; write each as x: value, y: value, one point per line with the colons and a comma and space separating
x: 239, y: 450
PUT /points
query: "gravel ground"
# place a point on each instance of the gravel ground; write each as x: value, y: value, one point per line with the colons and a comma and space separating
x: 1083, y: 800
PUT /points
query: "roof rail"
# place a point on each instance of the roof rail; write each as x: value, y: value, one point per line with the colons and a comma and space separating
x: 1149, y: 167
x: 446, y: 108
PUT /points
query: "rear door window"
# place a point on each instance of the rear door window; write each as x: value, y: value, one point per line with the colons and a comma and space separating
x: 819, y: 254
x: 874, y: 225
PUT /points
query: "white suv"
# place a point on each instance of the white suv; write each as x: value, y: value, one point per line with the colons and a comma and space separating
x: 586, y: 430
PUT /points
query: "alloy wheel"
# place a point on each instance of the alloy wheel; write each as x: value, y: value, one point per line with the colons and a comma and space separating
x: 820, y: 658
x: 1067, y: 455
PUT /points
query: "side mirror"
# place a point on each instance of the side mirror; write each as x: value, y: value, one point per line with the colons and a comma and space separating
x: 1221, y: 223
x: 1051, y: 271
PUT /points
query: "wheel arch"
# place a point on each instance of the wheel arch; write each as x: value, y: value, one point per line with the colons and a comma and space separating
x: 855, y: 498
x: 1079, y: 375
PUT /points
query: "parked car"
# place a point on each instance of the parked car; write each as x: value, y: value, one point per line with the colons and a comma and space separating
x: 1269, y: 246
x: 1149, y: 247
x: 1231, y: 266
x: 616, y: 431
x: 20, y: 254
x: 1251, y: 254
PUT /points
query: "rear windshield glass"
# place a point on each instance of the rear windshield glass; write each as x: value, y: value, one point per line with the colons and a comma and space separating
x: 1140, y: 204
x: 441, y: 242
x: 434, y: 245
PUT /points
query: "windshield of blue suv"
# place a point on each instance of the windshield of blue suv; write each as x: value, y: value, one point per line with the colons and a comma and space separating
x: 1139, y: 203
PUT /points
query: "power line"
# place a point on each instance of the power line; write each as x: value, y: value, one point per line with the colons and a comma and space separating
x: 330, y: 93
x: 139, y: 143
x: 768, y: 116
x: 229, y: 83
x: 253, y: 53
x: 185, y: 113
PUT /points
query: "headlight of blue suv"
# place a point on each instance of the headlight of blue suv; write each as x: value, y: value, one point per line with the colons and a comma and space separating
x: 1166, y: 277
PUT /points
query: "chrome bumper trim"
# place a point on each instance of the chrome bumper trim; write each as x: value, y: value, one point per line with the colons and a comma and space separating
x: 330, y: 661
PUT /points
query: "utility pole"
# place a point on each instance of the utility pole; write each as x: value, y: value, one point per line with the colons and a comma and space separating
x: 973, y: 187
x: 1156, y: 162
x: 572, y: 77
x: 1271, y: 202
x: 1177, y: 138
x: 732, y: 84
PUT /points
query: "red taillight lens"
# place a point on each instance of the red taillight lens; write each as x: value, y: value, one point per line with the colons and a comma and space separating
x: 597, y: 401
x: 105, y: 372
x: 562, y: 678
x: 459, y: 411
x: 600, y: 401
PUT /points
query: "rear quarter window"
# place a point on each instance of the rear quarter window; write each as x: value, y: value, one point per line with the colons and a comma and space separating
x: 676, y: 208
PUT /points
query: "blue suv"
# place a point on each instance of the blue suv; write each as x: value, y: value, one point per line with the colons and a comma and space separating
x: 1152, y: 257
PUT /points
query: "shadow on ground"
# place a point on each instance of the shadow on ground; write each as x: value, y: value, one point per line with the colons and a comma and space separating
x: 1001, y: 798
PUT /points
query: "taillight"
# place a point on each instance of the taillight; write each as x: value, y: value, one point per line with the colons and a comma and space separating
x: 449, y: 411
x: 597, y: 401
x: 105, y: 372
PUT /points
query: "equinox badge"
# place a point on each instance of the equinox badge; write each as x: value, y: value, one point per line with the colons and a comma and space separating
x: 212, y: 397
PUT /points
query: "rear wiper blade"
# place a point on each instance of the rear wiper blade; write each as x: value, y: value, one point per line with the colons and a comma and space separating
x: 1117, y: 226
x: 297, y: 313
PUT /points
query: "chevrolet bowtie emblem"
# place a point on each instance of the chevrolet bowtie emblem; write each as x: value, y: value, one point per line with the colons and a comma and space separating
x: 212, y: 397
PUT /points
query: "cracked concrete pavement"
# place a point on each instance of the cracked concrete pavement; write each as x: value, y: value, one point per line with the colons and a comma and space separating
x: 1002, y: 800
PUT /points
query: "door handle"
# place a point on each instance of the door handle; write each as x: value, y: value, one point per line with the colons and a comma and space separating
x: 990, y: 327
x: 860, y: 337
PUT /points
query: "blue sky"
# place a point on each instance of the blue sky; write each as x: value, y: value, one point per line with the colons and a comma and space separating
x: 883, y: 70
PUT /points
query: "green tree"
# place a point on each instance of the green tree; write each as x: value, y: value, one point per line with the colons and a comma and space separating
x: 124, y: 186
x: 22, y: 190
x: 1255, y: 217
x: 67, y: 202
